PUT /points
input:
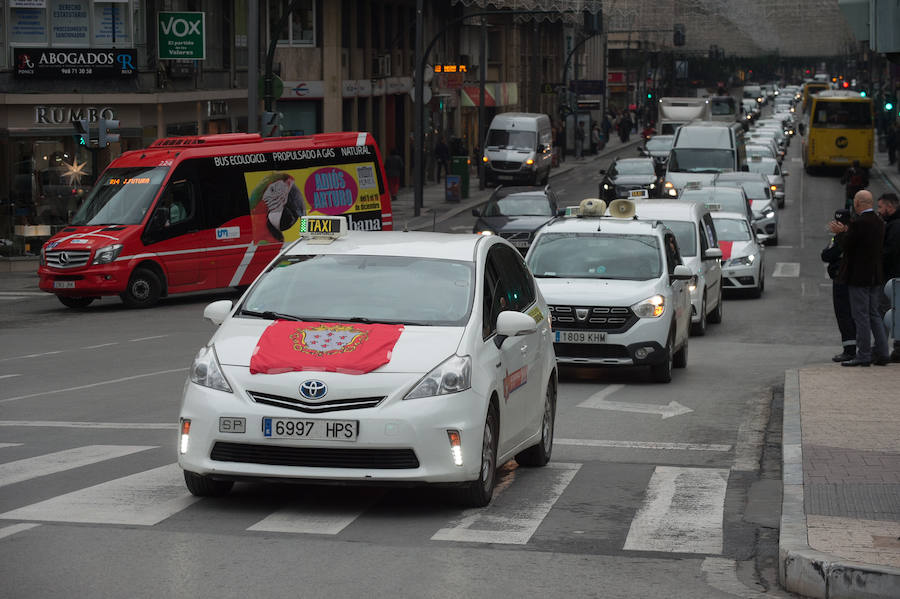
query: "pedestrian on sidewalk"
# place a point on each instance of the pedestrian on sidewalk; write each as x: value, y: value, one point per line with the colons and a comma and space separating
x: 840, y: 293
x: 855, y: 178
x: 579, y: 139
x: 442, y: 158
x: 595, y: 139
x: 891, y: 139
x: 889, y: 211
x: 606, y: 126
x: 861, y: 270
x: 625, y: 125
x: 393, y: 169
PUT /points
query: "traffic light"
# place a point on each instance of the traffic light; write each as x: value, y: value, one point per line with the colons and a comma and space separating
x: 271, y: 124
x: 649, y: 95
x: 678, y: 37
x: 82, y: 132
x: 889, y: 103
x: 106, y: 132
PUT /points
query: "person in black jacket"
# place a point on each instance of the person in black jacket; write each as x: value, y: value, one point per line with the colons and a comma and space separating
x: 840, y: 293
x: 855, y: 178
x: 889, y: 211
x: 861, y: 270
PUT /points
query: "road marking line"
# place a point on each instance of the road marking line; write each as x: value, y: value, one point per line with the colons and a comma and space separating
x: 75, y: 424
x: 652, y: 445
x: 17, y: 294
x: 51, y: 463
x: 99, y: 346
x: 600, y: 396
x: 110, y: 382
x: 8, y: 376
x: 597, y: 402
x: 49, y: 353
x: 142, y: 499
x: 2, y: 445
x: 681, y: 512
x: 316, y: 520
x: 516, y: 523
x: 786, y: 269
x: 147, y: 338
x: 8, y: 531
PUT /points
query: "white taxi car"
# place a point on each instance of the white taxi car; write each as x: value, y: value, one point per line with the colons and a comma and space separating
x: 374, y: 357
x: 617, y: 289
x: 743, y: 257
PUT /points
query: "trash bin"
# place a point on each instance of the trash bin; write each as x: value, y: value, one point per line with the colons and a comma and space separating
x: 459, y: 165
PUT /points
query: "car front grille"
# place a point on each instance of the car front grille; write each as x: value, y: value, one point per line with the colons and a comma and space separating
x: 613, y: 319
x: 315, y: 457
x: 503, y: 165
x: 67, y: 258
x: 300, y: 405
x: 590, y: 350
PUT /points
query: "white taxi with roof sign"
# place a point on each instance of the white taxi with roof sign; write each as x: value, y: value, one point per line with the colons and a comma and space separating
x: 324, y: 371
x: 743, y: 257
x: 616, y: 286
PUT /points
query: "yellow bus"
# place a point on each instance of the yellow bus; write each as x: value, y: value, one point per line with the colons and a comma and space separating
x: 810, y: 89
x: 840, y: 130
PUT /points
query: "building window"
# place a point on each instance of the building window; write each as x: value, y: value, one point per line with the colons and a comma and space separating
x: 71, y: 24
x: 301, y: 28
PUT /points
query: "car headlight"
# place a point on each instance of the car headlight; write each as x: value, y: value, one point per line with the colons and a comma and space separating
x: 653, y: 186
x: 769, y: 213
x: 530, y: 161
x: 606, y: 186
x: 743, y: 261
x: 107, y: 254
x: 486, y: 232
x: 652, y: 307
x: 206, y: 370
x: 450, y: 376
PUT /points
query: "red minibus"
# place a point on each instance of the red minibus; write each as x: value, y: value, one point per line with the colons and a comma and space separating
x: 208, y: 212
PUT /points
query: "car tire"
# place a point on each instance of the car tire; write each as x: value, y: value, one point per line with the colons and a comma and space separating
x: 781, y: 203
x: 478, y: 493
x: 76, y: 303
x: 539, y: 454
x: 662, y: 372
x: 699, y: 328
x: 143, y: 289
x: 760, y: 287
x: 204, y: 486
x: 679, y: 360
x: 716, y: 316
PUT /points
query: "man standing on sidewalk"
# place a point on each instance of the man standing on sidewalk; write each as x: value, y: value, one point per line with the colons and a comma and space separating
x: 579, y: 139
x: 889, y: 211
x: 861, y: 270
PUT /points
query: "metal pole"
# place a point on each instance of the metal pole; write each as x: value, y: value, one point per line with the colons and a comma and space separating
x: 252, y: 65
x: 418, y: 133
x: 482, y: 76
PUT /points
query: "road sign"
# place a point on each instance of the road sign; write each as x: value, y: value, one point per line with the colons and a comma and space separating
x: 181, y: 35
x: 277, y: 86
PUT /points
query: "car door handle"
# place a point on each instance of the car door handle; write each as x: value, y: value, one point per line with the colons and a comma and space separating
x: 524, y: 349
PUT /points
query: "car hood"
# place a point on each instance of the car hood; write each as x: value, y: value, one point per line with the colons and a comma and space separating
x: 757, y: 206
x: 89, y: 238
x: 679, y: 180
x: 736, y: 249
x: 634, y: 180
x: 591, y: 292
x: 512, y: 224
x: 418, y: 350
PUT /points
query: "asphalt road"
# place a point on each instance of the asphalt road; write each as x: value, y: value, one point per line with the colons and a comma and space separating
x: 644, y: 497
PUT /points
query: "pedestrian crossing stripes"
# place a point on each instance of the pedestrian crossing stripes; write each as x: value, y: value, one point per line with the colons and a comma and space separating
x: 681, y: 512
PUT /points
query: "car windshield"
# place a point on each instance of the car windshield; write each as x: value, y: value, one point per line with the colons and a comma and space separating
x: 363, y: 288
x: 122, y: 196
x: 732, y: 229
x: 755, y: 190
x: 685, y: 234
x: 757, y: 150
x: 634, y: 167
x: 596, y: 256
x: 701, y: 160
x: 722, y: 106
x: 519, y: 204
x: 728, y: 200
x: 660, y: 144
x: 512, y: 140
x: 763, y: 166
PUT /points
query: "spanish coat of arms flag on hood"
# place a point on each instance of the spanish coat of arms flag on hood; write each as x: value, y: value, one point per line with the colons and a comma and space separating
x: 349, y: 348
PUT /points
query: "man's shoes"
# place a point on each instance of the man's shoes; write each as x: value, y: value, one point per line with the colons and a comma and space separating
x: 856, y: 362
x: 881, y: 361
x: 843, y: 357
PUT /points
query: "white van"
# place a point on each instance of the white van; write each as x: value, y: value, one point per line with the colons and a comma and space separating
x: 518, y: 149
x: 702, y: 150
x: 695, y: 232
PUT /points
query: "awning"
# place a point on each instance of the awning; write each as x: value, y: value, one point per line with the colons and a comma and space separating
x: 495, y: 94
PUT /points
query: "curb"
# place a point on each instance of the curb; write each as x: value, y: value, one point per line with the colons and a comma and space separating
x: 802, y: 569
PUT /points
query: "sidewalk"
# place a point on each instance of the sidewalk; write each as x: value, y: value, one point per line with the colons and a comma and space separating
x: 840, y: 518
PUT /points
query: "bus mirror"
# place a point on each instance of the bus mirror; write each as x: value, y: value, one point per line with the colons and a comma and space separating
x: 745, y: 168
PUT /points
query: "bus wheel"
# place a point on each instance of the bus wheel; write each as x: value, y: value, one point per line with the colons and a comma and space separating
x: 76, y: 303
x: 143, y: 289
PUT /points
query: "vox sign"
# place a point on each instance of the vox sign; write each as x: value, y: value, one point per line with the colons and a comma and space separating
x: 181, y: 35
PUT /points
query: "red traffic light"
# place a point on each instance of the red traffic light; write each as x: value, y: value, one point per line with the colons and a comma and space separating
x: 846, y: 85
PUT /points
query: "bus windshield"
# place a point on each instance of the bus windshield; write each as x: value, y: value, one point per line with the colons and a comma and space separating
x: 122, y: 196
x: 835, y: 114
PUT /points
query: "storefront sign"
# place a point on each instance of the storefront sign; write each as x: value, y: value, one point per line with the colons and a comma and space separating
x: 181, y: 35
x: 70, y: 63
x: 64, y: 115
x: 27, y: 26
x: 70, y: 23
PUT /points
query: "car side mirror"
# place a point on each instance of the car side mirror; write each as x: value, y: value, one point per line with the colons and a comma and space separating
x: 476, y: 212
x: 682, y: 273
x: 712, y: 254
x: 784, y: 173
x: 513, y: 324
x: 760, y: 238
x: 217, y: 312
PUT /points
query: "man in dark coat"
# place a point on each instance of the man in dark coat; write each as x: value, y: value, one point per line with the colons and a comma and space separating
x: 840, y: 293
x: 855, y: 178
x: 861, y: 270
x: 889, y: 211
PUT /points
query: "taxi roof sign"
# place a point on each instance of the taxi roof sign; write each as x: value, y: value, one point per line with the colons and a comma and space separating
x: 322, y: 229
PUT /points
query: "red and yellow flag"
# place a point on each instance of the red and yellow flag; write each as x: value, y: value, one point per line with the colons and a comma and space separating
x: 350, y: 348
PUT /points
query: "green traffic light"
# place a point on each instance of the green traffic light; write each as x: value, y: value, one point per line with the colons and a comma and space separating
x: 888, y: 106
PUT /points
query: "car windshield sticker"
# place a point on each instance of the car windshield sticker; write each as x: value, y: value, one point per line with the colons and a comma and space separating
x: 536, y: 314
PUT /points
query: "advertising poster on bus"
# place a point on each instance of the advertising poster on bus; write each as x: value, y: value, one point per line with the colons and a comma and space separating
x: 278, y: 198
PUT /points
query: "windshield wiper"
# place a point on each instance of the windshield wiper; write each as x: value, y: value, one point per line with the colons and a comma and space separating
x: 270, y: 315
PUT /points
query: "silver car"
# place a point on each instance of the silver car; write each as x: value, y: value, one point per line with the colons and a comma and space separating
x: 762, y: 202
x: 773, y: 172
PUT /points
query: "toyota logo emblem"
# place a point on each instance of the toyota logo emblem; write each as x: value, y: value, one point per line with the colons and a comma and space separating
x: 313, y: 389
x: 63, y: 258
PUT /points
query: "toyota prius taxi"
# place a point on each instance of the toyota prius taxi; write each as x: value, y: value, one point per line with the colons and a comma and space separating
x: 386, y: 357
